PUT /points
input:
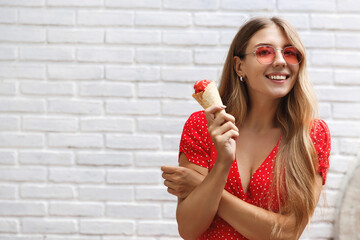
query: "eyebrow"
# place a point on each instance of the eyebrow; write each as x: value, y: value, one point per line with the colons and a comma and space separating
x: 268, y: 44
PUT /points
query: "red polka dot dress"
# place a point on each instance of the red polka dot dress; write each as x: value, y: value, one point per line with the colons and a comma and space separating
x: 198, y: 147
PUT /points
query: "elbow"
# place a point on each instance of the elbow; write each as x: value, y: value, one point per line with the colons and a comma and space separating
x: 187, y: 234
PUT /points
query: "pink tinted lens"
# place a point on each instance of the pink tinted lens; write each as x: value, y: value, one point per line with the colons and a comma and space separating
x: 292, y: 55
x: 265, y: 54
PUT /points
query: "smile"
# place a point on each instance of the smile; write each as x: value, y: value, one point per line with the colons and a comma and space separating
x: 277, y: 77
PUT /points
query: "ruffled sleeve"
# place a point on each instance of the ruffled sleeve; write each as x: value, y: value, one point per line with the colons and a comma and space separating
x: 195, y: 140
x: 320, y: 135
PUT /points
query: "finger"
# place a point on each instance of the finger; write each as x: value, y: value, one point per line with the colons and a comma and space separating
x: 169, y: 169
x: 173, y: 192
x: 227, y: 127
x: 167, y: 176
x: 169, y: 184
x: 230, y: 134
x: 213, y: 111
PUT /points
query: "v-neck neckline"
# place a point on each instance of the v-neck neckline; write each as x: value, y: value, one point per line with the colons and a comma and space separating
x: 274, y: 150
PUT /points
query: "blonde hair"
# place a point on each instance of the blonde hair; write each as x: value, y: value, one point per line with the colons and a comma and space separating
x: 295, y: 166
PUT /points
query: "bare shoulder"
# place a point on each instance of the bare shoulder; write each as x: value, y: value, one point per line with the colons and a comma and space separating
x: 184, y: 162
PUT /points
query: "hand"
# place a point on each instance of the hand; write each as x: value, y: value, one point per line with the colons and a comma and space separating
x: 223, y: 132
x: 180, y: 181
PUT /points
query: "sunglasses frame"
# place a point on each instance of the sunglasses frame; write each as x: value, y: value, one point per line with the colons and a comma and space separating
x: 275, y: 50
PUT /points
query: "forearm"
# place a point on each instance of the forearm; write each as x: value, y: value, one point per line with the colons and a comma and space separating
x: 196, y: 212
x: 251, y: 221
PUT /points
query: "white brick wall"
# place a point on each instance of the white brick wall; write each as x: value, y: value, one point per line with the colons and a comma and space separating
x: 94, y: 94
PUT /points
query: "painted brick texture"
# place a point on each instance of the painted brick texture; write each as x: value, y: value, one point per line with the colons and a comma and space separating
x: 94, y: 95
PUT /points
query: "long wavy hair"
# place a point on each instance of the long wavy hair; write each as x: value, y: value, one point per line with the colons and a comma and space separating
x: 295, y: 166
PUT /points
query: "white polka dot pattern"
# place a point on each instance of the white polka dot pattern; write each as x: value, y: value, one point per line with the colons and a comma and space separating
x: 198, y: 147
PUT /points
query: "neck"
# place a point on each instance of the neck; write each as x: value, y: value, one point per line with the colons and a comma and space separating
x: 261, y: 115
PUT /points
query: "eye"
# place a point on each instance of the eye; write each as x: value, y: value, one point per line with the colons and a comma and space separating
x: 264, y: 51
x: 290, y: 51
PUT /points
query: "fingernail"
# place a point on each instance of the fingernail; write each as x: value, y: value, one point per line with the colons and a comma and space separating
x: 223, y: 106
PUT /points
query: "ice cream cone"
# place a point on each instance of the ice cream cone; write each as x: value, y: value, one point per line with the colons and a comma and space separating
x: 209, y: 97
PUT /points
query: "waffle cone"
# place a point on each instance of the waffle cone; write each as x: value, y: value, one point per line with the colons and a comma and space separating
x: 209, y: 97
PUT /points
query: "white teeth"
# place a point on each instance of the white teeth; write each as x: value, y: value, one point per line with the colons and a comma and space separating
x: 277, y: 77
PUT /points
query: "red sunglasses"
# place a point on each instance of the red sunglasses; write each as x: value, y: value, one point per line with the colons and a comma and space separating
x: 265, y: 54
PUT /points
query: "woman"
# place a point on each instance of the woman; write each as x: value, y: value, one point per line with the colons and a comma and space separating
x: 255, y: 171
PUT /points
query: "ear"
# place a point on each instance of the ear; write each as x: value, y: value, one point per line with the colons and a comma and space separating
x: 239, y: 66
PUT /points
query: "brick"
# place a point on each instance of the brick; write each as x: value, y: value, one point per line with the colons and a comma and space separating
x: 142, y: 107
x: 71, y: 238
x: 34, y: 174
x: 105, y: 18
x: 75, y: 72
x: 321, y: 230
x: 156, y: 159
x: 307, y: 5
x: 105, y: 55
x: 74, y: 3
x: 52, y: 89
x: 347, y: 77
x: 214, y: 56
x: 171, y: 142
x: 133, y: 211
x: 169, y: 210
x: 158, y: 228
x: 244, y: 5
x: 226, y: 37
x: 7, y: 53
x: 153, y: 4
x: 46, y: 191
x: 8, y: 88
x: 107, y: 227
x: 22, y: 105
x: 165, y: 19
x: 347, y: 40
x: 9, y: 123
x: 22, y: 34
x: 133, y: 176
x: 323, y: 214
x: 325, y: 110
x: 180, y: 108
x: 17, y: 208
x: 75, y: 107
x: 346, y: 110
x: 169, y: 90
x: 107, y: 90
x: 349, y: 6
x: 133, y: 142
x: 321, y: 76
x: 47, y: 16
x: 341, y: 164
x: 46, y: 158
x: 153, y: 194
x: 334, y: 181
x: 64, y: 140
x: 27, y: 237
x: 28, y: 3
x: 50, y: 124
x: 186, y: 74
x: 47, y: 53
x: 78, y: 209
x: 7, y: 192
x: 35, y: 225
x: 133, y: 36
x: 219, y: 19
x: 22, y: 71
x: 344, y: 128
x: 107, y: 193
x: 107, y: 125
x: 79, y: 175
x: 162, y: 56
x: 199, y: 38
x: 9, y: 226
x: 19, y: 140
x: 192, y: 5
x: 350, y: 146
x: 161, y: 125
x: 342, y: 94
x: 297, y: 20
x: 318, y: 40
x: 334, y: 59
x: 75, y: 36
x: 335, y: 22
x: 148, y: 73
x: 7, y: 158
x: 104, y: 159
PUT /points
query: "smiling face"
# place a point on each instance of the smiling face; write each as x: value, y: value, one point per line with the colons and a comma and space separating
x: 267, y: 81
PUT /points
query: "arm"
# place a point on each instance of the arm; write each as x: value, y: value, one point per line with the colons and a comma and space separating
x: 257, y: 223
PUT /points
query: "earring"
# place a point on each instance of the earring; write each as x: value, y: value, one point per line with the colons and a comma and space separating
x: 241, y: 79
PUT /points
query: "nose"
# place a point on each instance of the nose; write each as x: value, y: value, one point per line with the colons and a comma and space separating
x: 279, y: 58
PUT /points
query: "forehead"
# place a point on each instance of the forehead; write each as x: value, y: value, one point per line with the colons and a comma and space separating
x: 271, y: 35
